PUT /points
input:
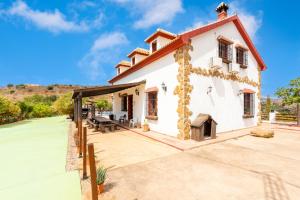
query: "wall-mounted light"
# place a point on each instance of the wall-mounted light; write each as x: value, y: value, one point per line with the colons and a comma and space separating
x: 209, y: 89
x: 164, y: 87
x: 240, y: 92
x: 137, y: 92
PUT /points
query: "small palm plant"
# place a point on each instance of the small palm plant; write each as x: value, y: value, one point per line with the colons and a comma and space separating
x: 101, y: 176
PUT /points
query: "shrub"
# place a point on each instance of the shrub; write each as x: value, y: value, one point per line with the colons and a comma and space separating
x: 20, y: 86
x: 42, y: 110
x: 50, y: 87
x: 26, y: 109
x: 8, y: 110
x: 64, y: 104
x: 35, y: 99
x: 10, y: 85
x: 11, y: 91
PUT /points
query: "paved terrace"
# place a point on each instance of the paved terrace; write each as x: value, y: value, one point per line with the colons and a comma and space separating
x: 234, y: 166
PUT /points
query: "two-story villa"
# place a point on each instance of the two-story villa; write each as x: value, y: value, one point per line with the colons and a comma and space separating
x: 214, y: 69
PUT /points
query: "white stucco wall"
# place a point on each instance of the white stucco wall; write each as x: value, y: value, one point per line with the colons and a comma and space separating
x: 162, y: 70
x: 122, y: 69
x: 223, y: 103
x: 139, y: 57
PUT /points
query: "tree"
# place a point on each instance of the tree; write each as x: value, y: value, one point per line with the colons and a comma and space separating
x: 64, y: 104
x: 10, y: 85
x: 103, y: 105
x: 42, y: 110
x: 268, y: 105
x: 26, y: 108
x: 8, y: 110
x: 291, y: 95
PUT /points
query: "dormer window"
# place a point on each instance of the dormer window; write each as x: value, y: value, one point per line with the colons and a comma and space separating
x: 242, y: 57
x: 133, y: 61
x: 154, y: 46
x: 119, y: 71
x: 225, y: 50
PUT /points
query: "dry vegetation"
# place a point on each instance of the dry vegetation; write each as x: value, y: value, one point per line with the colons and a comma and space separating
x: 19, y: 92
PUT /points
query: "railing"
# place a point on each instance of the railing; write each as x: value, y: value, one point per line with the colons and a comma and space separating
x: 280, y: 117
x: 265, y: 116
x: 285, y: 117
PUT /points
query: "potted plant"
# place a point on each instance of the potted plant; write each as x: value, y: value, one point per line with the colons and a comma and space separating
x: 101, y: 176
x: 146, y: 126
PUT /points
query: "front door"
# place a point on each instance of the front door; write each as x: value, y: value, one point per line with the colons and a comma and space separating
x: 130, y: 107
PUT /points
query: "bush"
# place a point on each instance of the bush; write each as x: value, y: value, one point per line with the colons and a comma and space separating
x: 42, y: 110
x: 20, y: 86
x: 9, y: 111
x: 35, y: 99
x: 10, y: 85
x: 26, y: 109
x: 64, y: 104
x: 50, y: 87
x: 11, y: 91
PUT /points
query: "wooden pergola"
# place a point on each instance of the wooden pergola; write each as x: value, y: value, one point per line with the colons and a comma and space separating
x: 78, y: 94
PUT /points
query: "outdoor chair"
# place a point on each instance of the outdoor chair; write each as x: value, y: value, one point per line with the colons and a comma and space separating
x: 122, y: 119
x: 133, y: 122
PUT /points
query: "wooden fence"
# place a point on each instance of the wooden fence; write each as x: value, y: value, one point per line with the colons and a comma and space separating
x: 285, y: 117
x: 280, y: 117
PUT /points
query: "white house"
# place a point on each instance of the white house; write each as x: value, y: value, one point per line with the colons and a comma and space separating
x: 214, y: 69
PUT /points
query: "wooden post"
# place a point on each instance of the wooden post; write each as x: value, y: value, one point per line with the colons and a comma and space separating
x: 80, y: 141
x: 298, y: 114
x: 93, y: 171
x: 79, y: 121
x: 84, y: 176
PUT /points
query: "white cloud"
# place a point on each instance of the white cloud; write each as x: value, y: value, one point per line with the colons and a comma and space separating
x: 252, y: 22
x: 152, y: 12
x: 103, y: 51
x: 53, y: 21
x: 109, y: 40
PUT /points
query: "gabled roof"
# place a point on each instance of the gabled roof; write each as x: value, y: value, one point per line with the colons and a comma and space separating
x: 184, y: 38
x: 123, y: 63
x: 162, y: 33
x: 140, y: 51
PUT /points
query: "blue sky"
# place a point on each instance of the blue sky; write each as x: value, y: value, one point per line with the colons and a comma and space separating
x: 79, y: 42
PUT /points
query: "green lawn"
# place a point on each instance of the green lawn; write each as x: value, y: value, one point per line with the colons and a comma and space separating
x: 32, y: 161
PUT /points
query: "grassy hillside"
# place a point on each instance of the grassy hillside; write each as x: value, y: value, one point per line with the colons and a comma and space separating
x: 19, y: 92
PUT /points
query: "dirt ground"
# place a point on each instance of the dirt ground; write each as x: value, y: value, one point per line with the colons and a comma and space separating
x: 242, y: 168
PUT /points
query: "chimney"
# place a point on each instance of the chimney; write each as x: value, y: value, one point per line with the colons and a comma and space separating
x: 222, y: 10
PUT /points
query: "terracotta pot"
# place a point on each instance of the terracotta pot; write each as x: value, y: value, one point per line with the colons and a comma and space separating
x: 100, y: 188
x: 146, y: 127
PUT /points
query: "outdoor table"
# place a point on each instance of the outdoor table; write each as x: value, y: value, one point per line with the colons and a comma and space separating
x: 102, y: 120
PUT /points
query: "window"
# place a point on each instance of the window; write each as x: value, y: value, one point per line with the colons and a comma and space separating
x: 242, y: 57
x: 248, y: 105
x: 133, y: 60
x: 154, y: 46
x: 152, y: 105
x: 119, y: 71
x: 124, y: 103
x: 225, y: 51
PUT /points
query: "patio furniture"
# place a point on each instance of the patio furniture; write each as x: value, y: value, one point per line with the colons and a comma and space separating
x: 104, y: 123
x: 133, y: 122
x: 122, y: 119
